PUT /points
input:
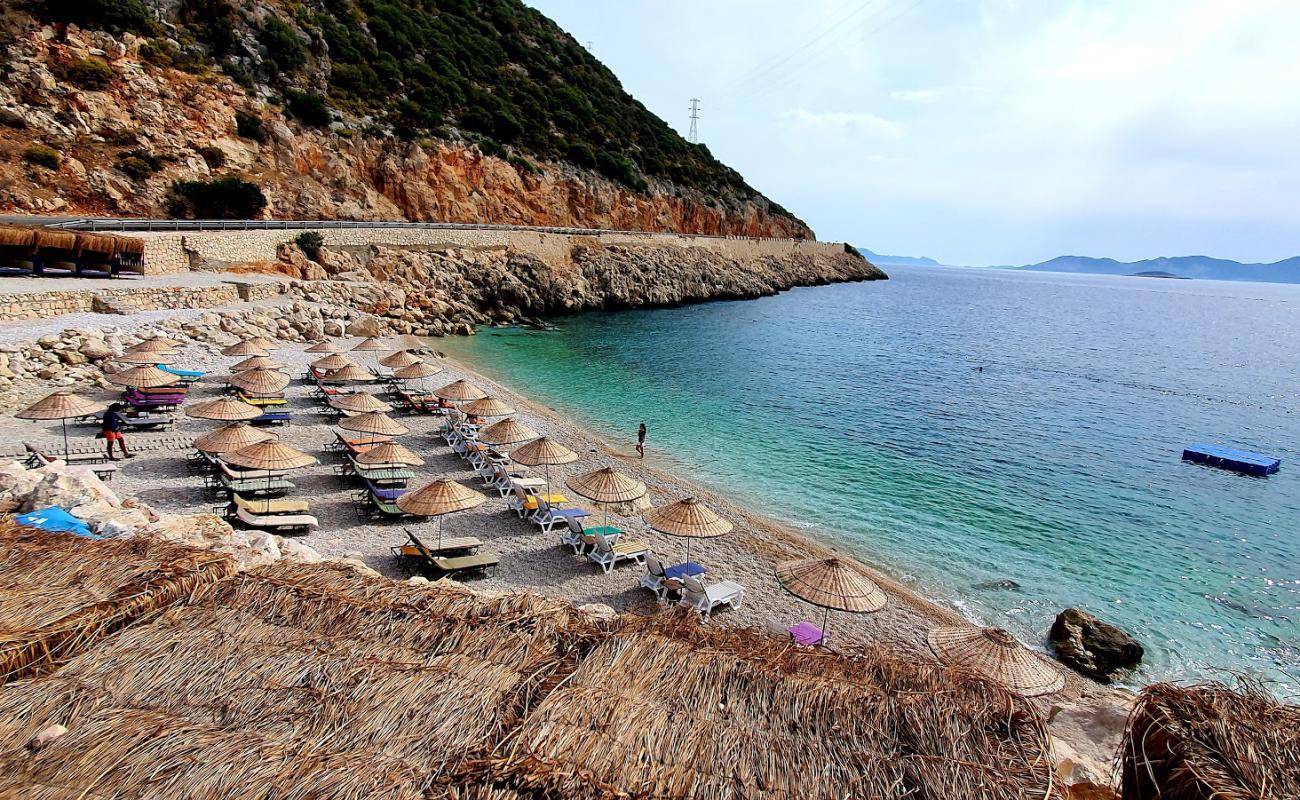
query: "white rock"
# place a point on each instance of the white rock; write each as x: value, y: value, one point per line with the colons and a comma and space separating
x: 68, y: 487
x: 291, y: 550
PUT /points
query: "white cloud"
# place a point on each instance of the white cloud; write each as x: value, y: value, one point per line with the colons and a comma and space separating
x: 915, y: 95
x: 849, y: 122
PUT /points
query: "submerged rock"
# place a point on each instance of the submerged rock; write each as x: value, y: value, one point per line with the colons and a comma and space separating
x: 1004, y: 583
x: 1093, y: 647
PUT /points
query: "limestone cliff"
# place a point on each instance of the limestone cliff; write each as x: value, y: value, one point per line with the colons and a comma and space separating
x: 77, y: 141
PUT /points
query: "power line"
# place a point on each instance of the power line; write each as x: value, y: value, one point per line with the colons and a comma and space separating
x: 763, y: 69
x: 694, y: 136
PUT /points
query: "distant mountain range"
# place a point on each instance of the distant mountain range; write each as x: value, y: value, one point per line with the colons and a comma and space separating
x: 882, y: 260
x: 1220, y: 269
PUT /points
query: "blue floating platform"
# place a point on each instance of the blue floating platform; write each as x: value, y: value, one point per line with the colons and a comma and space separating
x: 1227, y: 458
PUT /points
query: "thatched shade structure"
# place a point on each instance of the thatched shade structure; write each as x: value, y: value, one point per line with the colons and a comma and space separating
x: 261, y: 382
x: 264, y: 342
x: 507, y: 432
x: 225, y: 409
x: 369, y: 345
x: 401, y: 358
x: 390, y: 453
x: 155, y: 357
x: 606, y: 485
x: 352, y: 373
x: 332, y: 362
x: 142, y: 377
x: 17, y: 236
x: 544, y: 452
x: 833, y: 584
x: 270, y: 455
x: 487, y: 407
x: 96, y: 243
x: 157, y: 344
x: 256, y: 362
x: 359, y: 403
x: 1210, y: 742
x: 461, y: 391
x: 230, y: 438
x: 996, y: 655
x: 415, y: 372
x: 375, y: 423
x: 131, y: 246
x: 55, y: 239
x: 244, y: 349
x: 63, y: 593
x: 689, y: 519
x: 324, y: 346
x: 439, y: 497
x: 62, y: 406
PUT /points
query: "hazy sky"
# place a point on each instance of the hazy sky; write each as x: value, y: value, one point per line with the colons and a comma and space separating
x: 987, y: 131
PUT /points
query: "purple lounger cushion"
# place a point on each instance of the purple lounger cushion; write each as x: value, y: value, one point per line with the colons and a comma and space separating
x: 806, y: 634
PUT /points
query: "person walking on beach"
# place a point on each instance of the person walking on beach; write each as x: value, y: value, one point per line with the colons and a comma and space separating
x: 112, y: 430
x: 640, y: 440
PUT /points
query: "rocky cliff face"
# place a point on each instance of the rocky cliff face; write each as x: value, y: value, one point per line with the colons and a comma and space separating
x: 114, y: 144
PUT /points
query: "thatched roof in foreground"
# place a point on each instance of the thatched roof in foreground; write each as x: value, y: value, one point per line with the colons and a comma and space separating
x: 299, y: 678
x: 1202, y: 742
x: 59, y: 593
x: 670, y: 710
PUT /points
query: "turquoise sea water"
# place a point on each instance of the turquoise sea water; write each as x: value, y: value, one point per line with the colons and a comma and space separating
x: 858, y: 413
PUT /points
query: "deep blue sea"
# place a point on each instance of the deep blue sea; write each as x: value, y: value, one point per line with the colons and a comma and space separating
x: 859, y: 413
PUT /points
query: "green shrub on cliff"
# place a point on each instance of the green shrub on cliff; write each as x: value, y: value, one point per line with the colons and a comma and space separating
x: 308, y: 107
x: 88, y: 73
x: 116, y: 15
x: 310, y: 243
x: 42, y: 156
x: 250, y: 126
x: 223, y: 198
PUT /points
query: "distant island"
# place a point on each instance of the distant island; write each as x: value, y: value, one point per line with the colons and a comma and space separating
x: 1159, y: 274
x: 1203, y: 267
x: 879, y: 259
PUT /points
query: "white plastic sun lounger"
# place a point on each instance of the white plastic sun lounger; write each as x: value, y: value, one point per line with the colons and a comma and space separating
x: 702, y: 600
x: 277, y: 522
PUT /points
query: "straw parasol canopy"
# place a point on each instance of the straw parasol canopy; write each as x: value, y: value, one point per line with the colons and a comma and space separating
x: 162, y: 341
x: 62, y: 406
x: 260, y: 381
x: 832, y: 583
x: 264, y: 343
x: 374, y: 422
x: 543, y: 452
x: 359, y: 403
x: 689, y: 519
x: 507, y: 431
x: 270, y: 455
x: 996, y: 655
x: 324, y: 346
x: 146, y: 357
x: 606, y: 485
x: 142, y: 377
x: 256, y: 362
x: 231, y: 438
x: 438, y: 498
x: 332, y: 362
x: 401, y: 358
x: 245, y: 348
x: 390, y: 453
x: 488, y: 407
x: 158, y: 345
x: 416, y: 371
x: 461, y: 391
x: 352, y: 372
x: 227, y: 409
x: 369, y: 345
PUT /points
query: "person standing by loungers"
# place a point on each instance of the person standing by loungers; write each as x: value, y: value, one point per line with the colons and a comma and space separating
x: 112, y: 429
x: 640, y: 440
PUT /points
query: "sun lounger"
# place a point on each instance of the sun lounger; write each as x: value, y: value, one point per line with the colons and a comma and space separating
x: 806, y: 634
x: 383, y: 473
x: 608, y: 555
x: 263, y: 401
x: 273, y: 418
x: 255, y: 487
x: 98, y: 462
x: 152, y: 402
x: 386, y: 508
x: 267, y: 507
x: 234, y: 473
x: 388, y: 493
x: 186, y: 375
x: 134, y: 422
x: 279, y: 523
x: 702, y: 600
x: 547, y: 517
x: 175, y: 388
x: 416, y: 553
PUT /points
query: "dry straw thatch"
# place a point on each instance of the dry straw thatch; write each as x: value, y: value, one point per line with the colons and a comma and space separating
x: 55, y: 239
x: 97, y: 243
x: 401, y: 358
x: 60, y: 593
x: 17, y: 236
x: 299, y: 682
x: 1202, y: 742
x: 668, y: 709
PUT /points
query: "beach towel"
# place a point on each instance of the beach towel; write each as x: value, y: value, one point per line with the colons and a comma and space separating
x: 55, y: 519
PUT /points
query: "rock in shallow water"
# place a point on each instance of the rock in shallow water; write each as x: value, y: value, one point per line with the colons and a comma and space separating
x: 1093, y: 647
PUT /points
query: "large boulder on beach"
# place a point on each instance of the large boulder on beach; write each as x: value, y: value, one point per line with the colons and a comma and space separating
x: 69, y: 487
x: 1093, y: 647
x: 366, y: 326
x: 16, y: 481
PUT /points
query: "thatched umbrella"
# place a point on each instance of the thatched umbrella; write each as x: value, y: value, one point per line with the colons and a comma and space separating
x: 461, y: 391
x: 352, y: 373
x: 256, y: 362
x: 332, y: 362
x: 264, y: 342
x: 544, y: 452
x: 270, y: 455
x: 231, y: 438
x: 142, y: 378
x: 995, y: 654
x: 390, y: 453
x: 375, y: 423
x: 832, y: 583
x: 438, y: 498
x: 487, y: 407
x: 324, y: 346
x: 369, y: 345
x: 245, y: 349
x: 17, y: 235
x: 401, y: 358
x: 158, y: 344
x: 689, y: 519
x: 506, y: 432
x: 154, y: 357
x: 260, y: 382
x: 62, y: 406
x: 606, y: 486
x: 359, y: 403
x: 416, y: 372
x: 226, y: 409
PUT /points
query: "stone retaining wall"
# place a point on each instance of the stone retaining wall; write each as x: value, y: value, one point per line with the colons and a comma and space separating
x: 171, y: 252
x: 43, y: 305
x: 262, y: 290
